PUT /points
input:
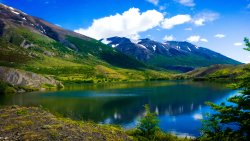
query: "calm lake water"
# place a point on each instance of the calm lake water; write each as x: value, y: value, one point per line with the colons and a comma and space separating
x: 179, y: 104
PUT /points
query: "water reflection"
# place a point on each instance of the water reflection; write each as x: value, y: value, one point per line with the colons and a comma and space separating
x: 179, y: 104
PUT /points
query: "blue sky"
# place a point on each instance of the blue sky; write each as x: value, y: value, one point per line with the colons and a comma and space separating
x: 219, y: 25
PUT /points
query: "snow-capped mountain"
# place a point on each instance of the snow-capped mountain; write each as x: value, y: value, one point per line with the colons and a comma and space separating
x: 170, y: 54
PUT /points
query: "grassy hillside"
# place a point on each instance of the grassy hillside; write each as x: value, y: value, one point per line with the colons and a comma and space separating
x: 218, y: 73
x: 93, y: 62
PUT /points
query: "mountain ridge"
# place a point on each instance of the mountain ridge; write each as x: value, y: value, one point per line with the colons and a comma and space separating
x: 152, y: 52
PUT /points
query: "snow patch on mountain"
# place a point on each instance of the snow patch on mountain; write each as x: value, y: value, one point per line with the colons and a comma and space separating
x: 105, y: 41
x: 15, y: 12
x: 154, y: 47
x: 142, y: 46
x: 114, y: 45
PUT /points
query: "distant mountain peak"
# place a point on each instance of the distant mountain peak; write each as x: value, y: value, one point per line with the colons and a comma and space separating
x: 157, y: 53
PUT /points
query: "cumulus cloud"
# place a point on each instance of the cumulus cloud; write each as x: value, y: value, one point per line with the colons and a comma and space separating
x: 155, y: 2
x: 169, y: 38
x: 132, y: 22
x: 199, y: 22
x: 196, y: 38
x: 193, y: 38
x: 201, y: 18
x: 219, y: 36
x: 203, y: 40
x: 128, y: 24
x: 169, y: 23
x: 238, y: 44
x: 189, y: 3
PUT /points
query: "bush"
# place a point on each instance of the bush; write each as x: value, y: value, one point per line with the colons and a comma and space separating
x: 148, y: 125
x: 6, y: 88
x: 148, y: 129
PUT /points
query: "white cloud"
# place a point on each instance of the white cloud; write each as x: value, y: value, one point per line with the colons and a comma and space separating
x: 188, y: 29
x: 196, y: 38
x: 238, y: 44
x: 169, y: 38
x: 176, y: 20
x: 128, y: 24
x: 189, y: 3
x: 155, y: 2
x: 203, y: 17
x: 199, y: 22
x: 204, y: 40
x: 219, y: 36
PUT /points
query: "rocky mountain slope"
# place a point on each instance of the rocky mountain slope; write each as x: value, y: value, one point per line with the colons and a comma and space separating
x: 169, y: 55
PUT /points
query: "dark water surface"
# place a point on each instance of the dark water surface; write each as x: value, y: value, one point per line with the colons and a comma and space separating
x: 179, y: 104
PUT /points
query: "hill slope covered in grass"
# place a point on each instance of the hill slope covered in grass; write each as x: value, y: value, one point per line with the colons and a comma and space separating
x: 218, y: 73
x: 29, y: 123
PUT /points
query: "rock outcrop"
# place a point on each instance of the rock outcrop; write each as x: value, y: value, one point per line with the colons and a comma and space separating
x: 27, y: 79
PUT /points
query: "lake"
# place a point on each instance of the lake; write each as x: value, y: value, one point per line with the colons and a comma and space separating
x: 180, y: 105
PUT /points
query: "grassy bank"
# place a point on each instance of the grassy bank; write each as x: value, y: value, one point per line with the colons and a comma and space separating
x: 22, y: 123
x: 31, y: 123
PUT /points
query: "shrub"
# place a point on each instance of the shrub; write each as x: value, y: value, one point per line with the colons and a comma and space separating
x: 6, y: 88
x: 148, y: 125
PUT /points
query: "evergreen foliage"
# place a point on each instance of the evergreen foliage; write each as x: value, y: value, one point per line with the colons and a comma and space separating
x: 231, y: 122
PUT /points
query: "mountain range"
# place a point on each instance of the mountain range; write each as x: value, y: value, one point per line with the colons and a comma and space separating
x: 31, y: 44
x: 175, y: 55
